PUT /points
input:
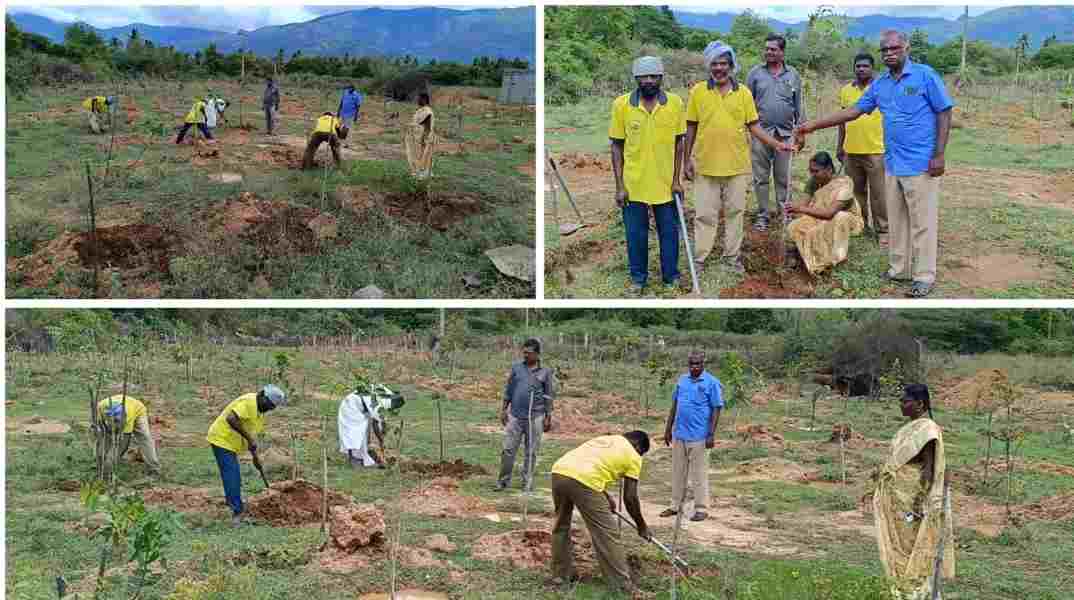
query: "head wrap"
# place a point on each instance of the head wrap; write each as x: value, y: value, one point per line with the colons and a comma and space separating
x: 648, y: 65
x: 717, y: 49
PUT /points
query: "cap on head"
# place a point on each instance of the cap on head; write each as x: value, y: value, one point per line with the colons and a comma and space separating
x: 648, y: 65
x: 274, y: 395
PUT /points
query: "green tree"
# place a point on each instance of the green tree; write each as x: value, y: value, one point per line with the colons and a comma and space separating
x: 1055, y: 56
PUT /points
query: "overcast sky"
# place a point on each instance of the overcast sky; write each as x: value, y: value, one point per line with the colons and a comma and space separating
x: 801, y: 12
x: 222, y: 18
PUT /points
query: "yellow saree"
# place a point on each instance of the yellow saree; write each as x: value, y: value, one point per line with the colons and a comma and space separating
x: 909, y: 518
x: 418, y: 144
x: 824, y: 244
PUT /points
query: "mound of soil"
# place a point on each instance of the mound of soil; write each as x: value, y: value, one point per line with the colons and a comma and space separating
x: 583, y: 161
x: 439, y: 211
x: 764, y: 276
x: 755, y: 432
x: 1052, y: 508
x: 457, y: 468
x: 441, y: 498
x: 440, y: 543
x: 275, y: 228
x: 356, y: 526
x: 978, y: 392
x: 282, y: 156
x: 530, y: 549
x: 292, y: 503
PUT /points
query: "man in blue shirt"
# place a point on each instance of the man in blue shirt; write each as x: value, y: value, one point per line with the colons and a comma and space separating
x: 917, y: 121
x: 691, y: 432
x: 349, y: 105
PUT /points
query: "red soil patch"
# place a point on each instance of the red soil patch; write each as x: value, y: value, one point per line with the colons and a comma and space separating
x: 274, y: 227
x: 761, y: 257
x: 292, y: 503
x: 977, y: 392
x: 356, y: 526
x: 186, y: 500
x: 122, y: 140
x: 757, y: 433
x: 456, y: 469
x: 441, y: 498
x: 531, y: 549
x: 283, y: 156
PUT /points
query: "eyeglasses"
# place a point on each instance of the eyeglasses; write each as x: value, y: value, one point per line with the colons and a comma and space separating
x: 887, y: 49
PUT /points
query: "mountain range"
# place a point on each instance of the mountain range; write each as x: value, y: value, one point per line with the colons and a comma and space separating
x: 425, y: 33
x: 1000, y: 26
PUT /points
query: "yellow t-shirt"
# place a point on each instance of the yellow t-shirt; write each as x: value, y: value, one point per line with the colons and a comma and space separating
x: 94, y: 103
x: 865, y: 135
x: 722, y: 146
x: 600, y: 462
x: 327, y: 124
x: 649, y: 150
x: 198, y: 108
x: 134, y: 408
x: 221, y: 434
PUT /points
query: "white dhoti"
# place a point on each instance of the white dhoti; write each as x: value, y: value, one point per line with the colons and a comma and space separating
x: 355, y: 415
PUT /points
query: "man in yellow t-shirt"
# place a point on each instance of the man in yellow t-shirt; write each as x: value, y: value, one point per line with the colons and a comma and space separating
x: 97, y: 106
x: 130, y: 419
x: 234, y: 432
x: 327, y: 129
x: 580, y: 479
x: 646, y: 133
x: 196, y: 117
x: 720, y: 117
x: 861, y: 148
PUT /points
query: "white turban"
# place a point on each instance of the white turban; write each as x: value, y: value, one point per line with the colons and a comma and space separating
x: 717, y: 49
x: 648, y: 65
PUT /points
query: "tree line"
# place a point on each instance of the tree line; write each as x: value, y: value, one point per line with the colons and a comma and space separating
x: 1020, y: 331
x: 585, y: 45
x: 84, y: 56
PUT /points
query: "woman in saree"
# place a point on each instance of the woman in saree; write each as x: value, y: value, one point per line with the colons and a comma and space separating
x: 821, y: 232
x: 418, y: 138
x: 913, y: 519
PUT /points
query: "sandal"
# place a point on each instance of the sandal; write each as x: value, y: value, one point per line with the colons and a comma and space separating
x: 919, y: 289
x: 699, y: 516
x: 669, y: 512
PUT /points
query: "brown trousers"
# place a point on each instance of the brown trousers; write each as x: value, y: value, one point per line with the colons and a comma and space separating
x: 712, y: 194
x: 697, y: 456
x: 913, y: 207
x: 568, y: 494
x: 867, y: 173
x: 318, y: 138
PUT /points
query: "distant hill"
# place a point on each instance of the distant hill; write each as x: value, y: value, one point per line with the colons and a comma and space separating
x: 1000, y: 26
x: 425, y: 33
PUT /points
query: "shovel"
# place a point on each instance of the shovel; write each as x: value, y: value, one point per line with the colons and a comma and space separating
x: 686, y: 239
x: 677, y: 561
x: 261, y: 470
x: 566, y: 228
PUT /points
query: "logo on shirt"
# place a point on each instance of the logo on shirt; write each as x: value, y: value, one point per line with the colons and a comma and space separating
x: 910, y: 90
x: 635, y: 126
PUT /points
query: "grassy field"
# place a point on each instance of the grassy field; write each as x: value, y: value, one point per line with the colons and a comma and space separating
x: 240, y: 219
x: 1005, y: 209
x: 783, y: 522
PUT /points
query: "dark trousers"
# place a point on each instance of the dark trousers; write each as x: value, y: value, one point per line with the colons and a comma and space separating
x: 268, y: 119
x: 318, y: 138
x: 636, y: 223
x: 228, y: 463
x: 186, y: 127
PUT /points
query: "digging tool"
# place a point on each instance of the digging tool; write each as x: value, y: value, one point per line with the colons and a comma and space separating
x: 686, y: 238
x: 677, y: 561
x: 566, y: 228
x: 261, y: 470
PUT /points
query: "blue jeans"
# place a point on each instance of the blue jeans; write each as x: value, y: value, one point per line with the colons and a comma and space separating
x: 636, y: 223
x: 228, y: 462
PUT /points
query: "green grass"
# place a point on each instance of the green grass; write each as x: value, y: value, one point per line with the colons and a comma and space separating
x: 43, y: 543
x: 47, y: 195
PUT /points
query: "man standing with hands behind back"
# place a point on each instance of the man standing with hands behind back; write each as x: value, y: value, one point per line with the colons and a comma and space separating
x: 691, y: 433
